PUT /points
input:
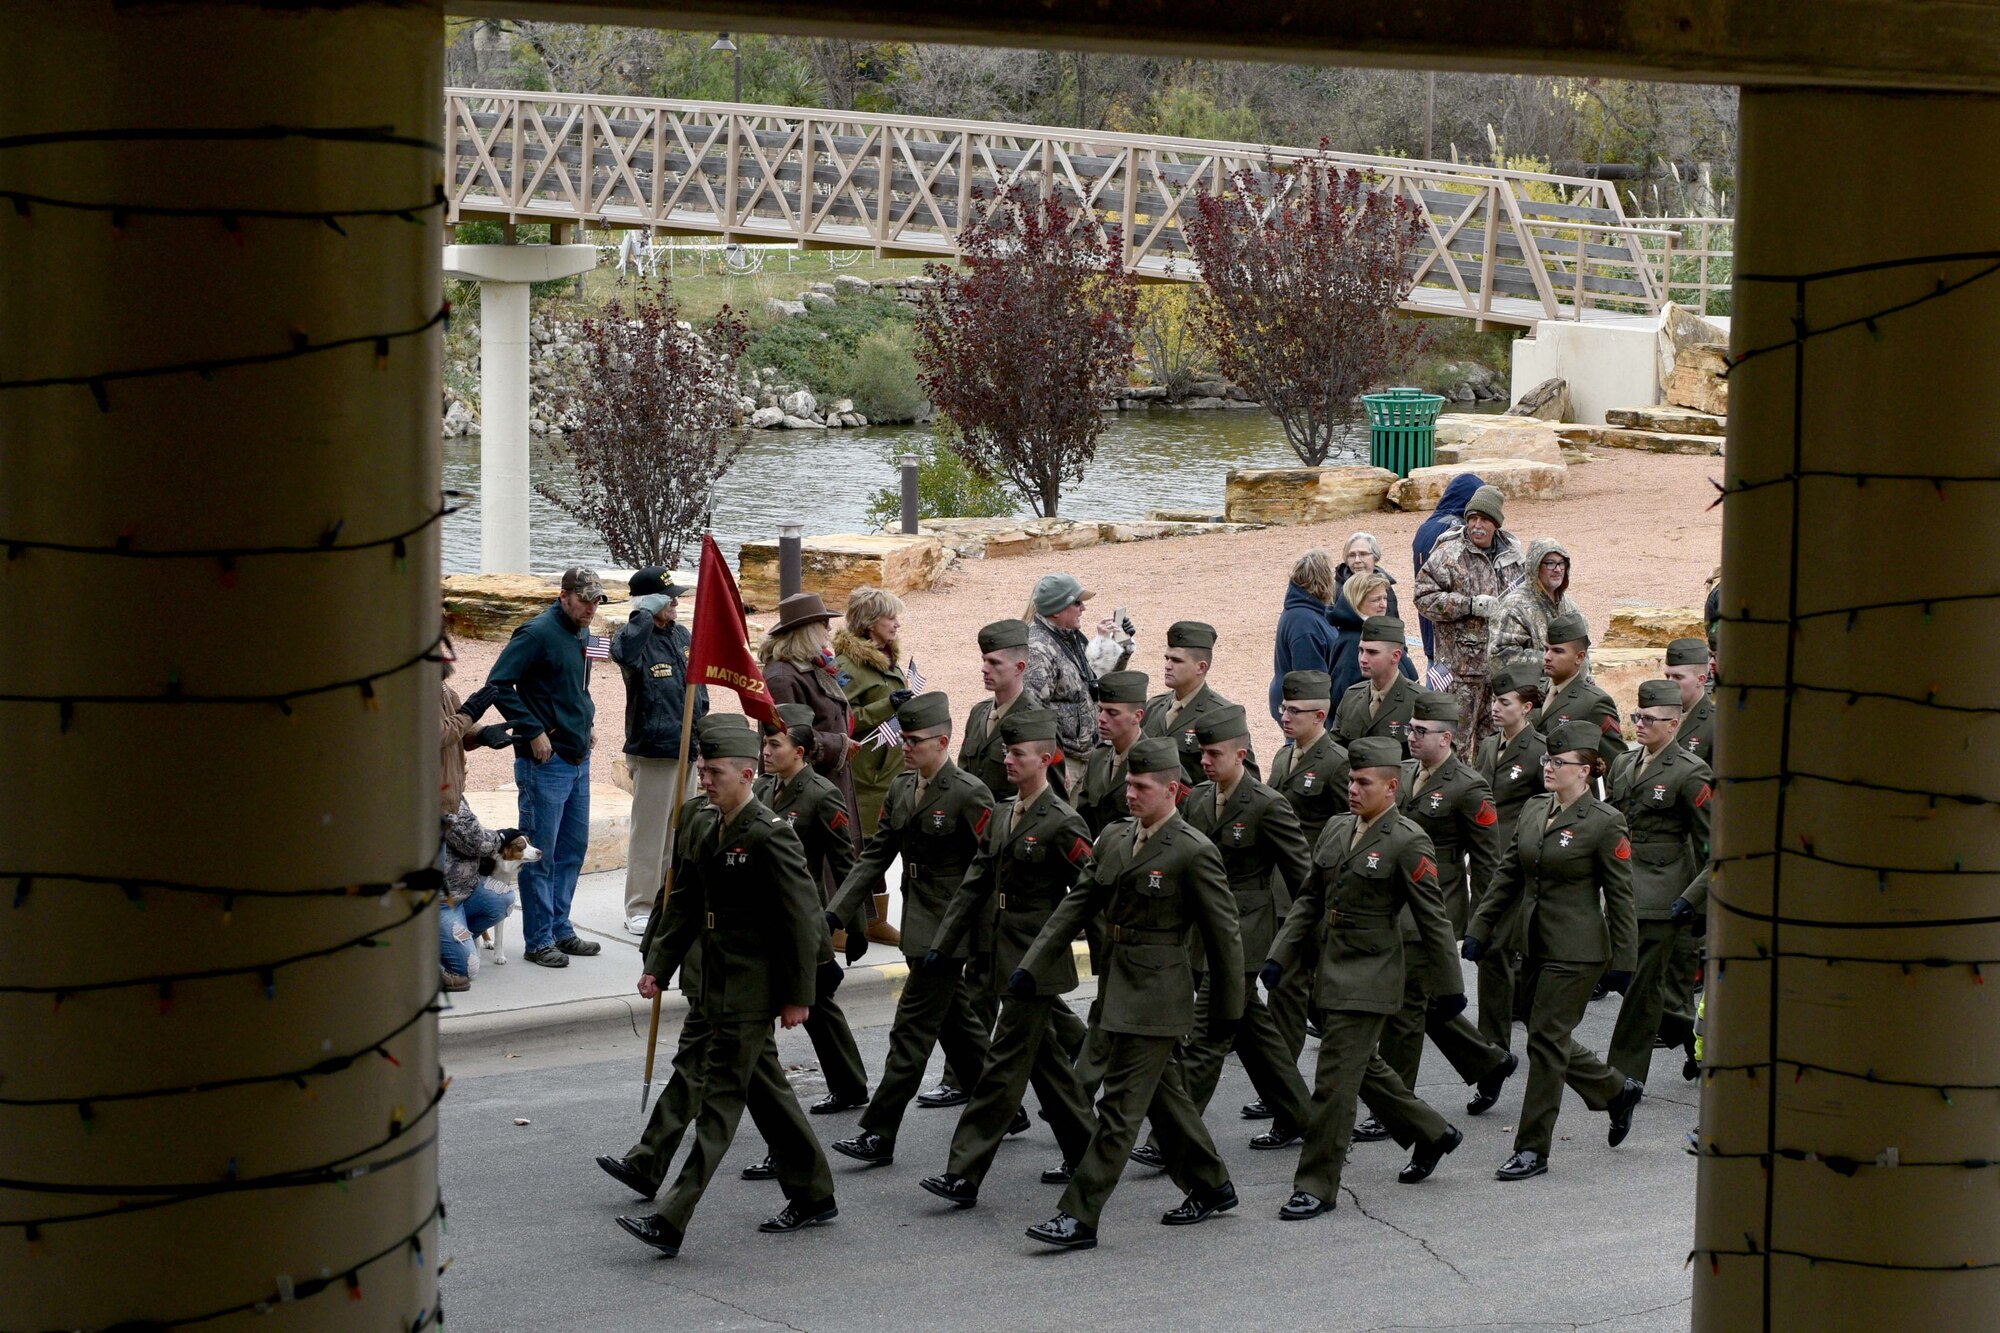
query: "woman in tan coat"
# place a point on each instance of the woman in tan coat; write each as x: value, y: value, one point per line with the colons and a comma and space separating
x: 868, y: 665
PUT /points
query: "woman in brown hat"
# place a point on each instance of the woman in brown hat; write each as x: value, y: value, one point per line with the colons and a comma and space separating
x: 797, y: 656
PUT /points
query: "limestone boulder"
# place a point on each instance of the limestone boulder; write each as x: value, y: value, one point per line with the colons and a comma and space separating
x: 1660, y: 442
x: 1547, y: 401
x: 846, y: 284
x: 493, y: 606
x: 800, y: 403
x: 1519, y: 437
x: 767, y: 418
x: 1515, y: 478
x: 790, y: 422
x: 610, y: 824
x: 783, y: 309
x: 1619, y: 672
x: 1653, y: 626
x: 1294, y: 495
x: 1674, y: 420
x: 835, y: 565
x: 1700, y: 379
x: 817, y: 300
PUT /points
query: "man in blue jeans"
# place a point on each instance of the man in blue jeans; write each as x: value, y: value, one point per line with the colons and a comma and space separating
x: 544, y: 680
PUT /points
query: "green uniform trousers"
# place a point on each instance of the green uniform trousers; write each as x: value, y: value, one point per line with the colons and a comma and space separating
x: 1291, y: 1003
x: 833, y: 1043
x: 1681, y: 973
x: 1562, y: 994
x: 932, y: 1010
x: 739, y: 1068
x: 674, y: 1109
x: 1471, y: 1054
x: 1024, y: 1051
x: 1141, y: 1082
x: 1640, y: 1011
x: 981, y: 1007
x: 1350, y: 1068
x: 1273, y: 1070
x: 1499, y: 975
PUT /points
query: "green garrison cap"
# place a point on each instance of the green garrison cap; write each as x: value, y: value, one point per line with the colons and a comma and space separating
x: 1382, y: 629
x: 1308, y: 685
x: 1153, y: 754
x: 1190, y: 634
x: 1224, y: 724
x: 1375, y: 752
x: 1687, y: 652
x: 921, y: 712
x: 795, y: 715
x: 1567, y: 736
x: 1432, y: 707
x: 1659, y: 694
x: 1031, y: 724
x: 728, y: 736
x: 1003, y: 634
x: 1122, y: 687
x: 1514, y: 676
x: 1569, y: 627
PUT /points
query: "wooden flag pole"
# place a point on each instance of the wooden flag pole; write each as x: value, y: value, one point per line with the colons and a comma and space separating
x: 667, y: 886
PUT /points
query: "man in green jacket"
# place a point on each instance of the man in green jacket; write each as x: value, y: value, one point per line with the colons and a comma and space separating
x: 1381, y: 702
x: 1177, y: 713
x: 1573, y: 695
x: 1121, y: 716
x: 1511, y: 762
x: 1153, y: 879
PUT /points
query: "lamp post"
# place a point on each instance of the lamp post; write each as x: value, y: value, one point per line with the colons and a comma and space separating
x: 723, y: 43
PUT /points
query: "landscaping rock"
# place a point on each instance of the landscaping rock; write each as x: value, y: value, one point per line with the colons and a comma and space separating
x: 1653, y: 626
x: 834, y: 565
x: 493, y: 606
x: 850, y: 285
x: 800, y: 403
x: 764, y: 418
x: 784, y: 309
x: 1515, y: 478
x: 841, y: 405
x: 818, y: 300
x: 1660, y: 442
x: 802, y: 423
x: 1510, y: 437
x: 1699, y: 379
x: 1148, y: 392
x: 1292, y: 495
x: 1181, y: 516
x: 1549, y: 400
x: 1675, y: 420
x: 1203, y: 404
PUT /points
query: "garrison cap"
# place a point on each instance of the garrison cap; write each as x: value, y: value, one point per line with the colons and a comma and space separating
x: 1308, y: 685
x: 795, y: 715
x: 1487, y: 500
x: 1190, y: 634
x: 1569, y: 627
x: 1003, y: 634
x: 1224, y: 724
x: 1153, y: 754
x: 728, y: 736
x: 1659, y: 694
x: 1375, y: 752
x: 1122, y: 687
x: 1567, y: 736
x: 1433, y: 707
x: 921, y: 712
x: 1514, y: 676
x: 1033, y: 724
x: 1382, y: 629
x: 1688, y: 652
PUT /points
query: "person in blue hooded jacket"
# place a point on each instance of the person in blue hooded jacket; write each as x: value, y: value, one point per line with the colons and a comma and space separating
x: 1450, y: 511
x: 1305, y: 633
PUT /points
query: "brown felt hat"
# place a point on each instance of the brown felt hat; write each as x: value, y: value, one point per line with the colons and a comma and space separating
x: 801, y: 608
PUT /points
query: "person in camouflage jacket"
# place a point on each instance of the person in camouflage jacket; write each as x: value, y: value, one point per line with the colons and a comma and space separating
x: 1521, y: 630
x: 1459, y: 588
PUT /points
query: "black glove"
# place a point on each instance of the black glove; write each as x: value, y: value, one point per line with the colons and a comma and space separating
x: 1270, y: 974
x: 1021, y: 984
x: 479, y: 700
x: 1471, y: 949
x: 857, y: 944
x: 1129, y: 628
x: 1618, y: 979
x: 897, y: 698
x: 936, y: 964
x: 828, y: 976
x: 1222, y: 1030
x: 496, y: 737
x: 1680, y: 912
x: 1444, y: 1008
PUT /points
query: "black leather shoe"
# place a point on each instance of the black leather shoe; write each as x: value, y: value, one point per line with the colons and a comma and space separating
x: 1599, y: 991
x: 833, y: 1103
x: 797, y: 1215
x: 1370, y: 1130
x: 1427, y: 1156
x: 1200, y: 1205
x: 1276, y: 1137
x: 1021, y: 1124
x: 1621, y: 1109
x: 954, y: 1189
x: 1147, y: 1155
x: 1487, y: 1091
x: 1523, y: 1164
x: 654, y: 1232
x: 943, y: 1095
x: 1058, y: 1174
x: 1257, y: 1110
x: 867, y: 1146
x: 629, y: 1176
x: 580, y: 948
x: 760, y: 1171
x: 549, y: 957
x: 1303, y: 1205
x: 1064, y: 1232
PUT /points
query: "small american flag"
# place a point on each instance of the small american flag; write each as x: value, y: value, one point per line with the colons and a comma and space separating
x: 1439, y: 678
x: 597, y: 647
x: 891, y: 732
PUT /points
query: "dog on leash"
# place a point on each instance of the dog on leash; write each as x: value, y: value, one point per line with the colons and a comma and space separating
x: 505, y: 873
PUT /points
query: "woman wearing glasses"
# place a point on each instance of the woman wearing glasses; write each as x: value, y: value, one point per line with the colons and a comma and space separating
x: 1570, y: 867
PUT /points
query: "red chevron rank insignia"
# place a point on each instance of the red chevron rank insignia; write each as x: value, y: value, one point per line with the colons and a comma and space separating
x: 1079, y: 851
x: 1487, y: 816
x: 1704, y: 796
x: 1611, y: 725
x: 1624, y: 849
x: 839, y: 820
x: 979, y: 829
x: 1426, y: 868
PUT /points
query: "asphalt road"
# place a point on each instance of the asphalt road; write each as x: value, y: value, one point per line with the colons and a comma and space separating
x: 1599, y: 1242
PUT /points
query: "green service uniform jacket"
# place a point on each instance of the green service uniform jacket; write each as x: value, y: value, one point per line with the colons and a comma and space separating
x: 1264, y: 854
x: 1513, y: 770
x: 1314, y: 782
x: 1100, y: 798
x: 985, y: 757
x: 1023, y: 875
x: 1573, y: 877
x: 1352, y: 901
x: 745, y: 916
x: 1148, y: 902
x: 1350, y: 716
x: 817, y: 812
x: 1666, y: 804
x: 1200, y: 704
x: 1583, y: 700
x: 1697, y: 733
x: 937, y: 840
x: 1456, y: 812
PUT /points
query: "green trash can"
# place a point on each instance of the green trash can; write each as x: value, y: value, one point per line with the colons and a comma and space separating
x: 1402, y: 428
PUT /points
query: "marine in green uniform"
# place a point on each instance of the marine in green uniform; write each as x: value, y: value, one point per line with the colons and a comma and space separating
x: 1688, y: 666
x: 1572, y: 695
x: 1380, y: 703
x: 745, y: 904
x: 933, y: 817
x: 1369, y: 866
x: 1177, y: 713
x: 1121, y: 716
x: 1153, y: 879
x: 1665, y: 794
x: 1511, y: 762
x: 1570, y: 868
x: 1035, y: 848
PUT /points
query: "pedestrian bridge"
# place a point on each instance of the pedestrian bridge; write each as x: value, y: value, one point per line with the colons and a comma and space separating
x: 1502, y: 247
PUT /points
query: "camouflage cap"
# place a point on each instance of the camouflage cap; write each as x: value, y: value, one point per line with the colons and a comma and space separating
x: 1569, y: 627
x: 1003, y: 634
x: 1515, y: 676
x: 1123, y: 687
x: 1382, y: 629
x: 1434, y: 707
x: 1659, y: 694
x: 1153, y: 754
x: 1565, y: 737
x: 1307, y: 685
x: 1028, y: 724
x: 1224, y: 724
x: 922, y: 712
x: 583, y: 582
x: 1190, y: 634
x: 1688, y: 652
x: 728, y: 736
x: 1375, y: 752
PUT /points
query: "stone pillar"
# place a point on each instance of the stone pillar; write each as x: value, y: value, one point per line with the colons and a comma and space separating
x: 504, y: 273
x: 1856, y: 1062
x: 114, y: 798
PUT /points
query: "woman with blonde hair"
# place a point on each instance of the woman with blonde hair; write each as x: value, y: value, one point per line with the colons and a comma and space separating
x: 797, y: 656
x: 868, y: 665
x: 1305, y: 628
x: 1371, y: 593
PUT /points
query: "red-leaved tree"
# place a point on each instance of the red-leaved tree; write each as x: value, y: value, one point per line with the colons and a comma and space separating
x: 1303, y: 267
x: 649, y: 426
x: 1021, y: 347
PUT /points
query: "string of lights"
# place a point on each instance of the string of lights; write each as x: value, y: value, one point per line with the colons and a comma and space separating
x: 378, y: 135
x: 1803, y: 333
x: 136, y: 887
x: 328, y: 542
x: 230, y: 216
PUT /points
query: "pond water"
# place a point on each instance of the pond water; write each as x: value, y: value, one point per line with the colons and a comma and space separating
x: 825, y: 479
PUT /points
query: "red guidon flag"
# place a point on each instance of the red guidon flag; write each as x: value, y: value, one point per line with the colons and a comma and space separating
x: 720, y: 653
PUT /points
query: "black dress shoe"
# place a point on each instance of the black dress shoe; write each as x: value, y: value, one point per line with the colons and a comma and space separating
x: 760, y: 1171
x: 1021, y: 1123
x: 1523, y: 1164
x: 1621, y: 1109
x: 1200, y: 1205
x: 629, y: 1176
x: 548, y: 957
x: 655, y: 1232
x: 1487, y: 1091
x: 1147, y: 1155
x: 1064, y: 1232
x: 956, y: 1189
x: 834, y: 1103
x: 1257, y: 1110
x: 579, y: 948
x: 1427, y: 1156
x: 1303, y: 1205
x: 1599, y: 991
x: 1058, y: 1174
x: 798, y: 1215
x: 867, y: 1146
x: 943, y: 1095
x: 1275, y: 1137
x: 1370, y: 1130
